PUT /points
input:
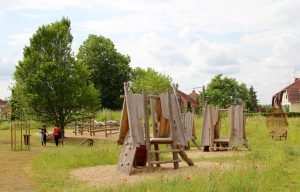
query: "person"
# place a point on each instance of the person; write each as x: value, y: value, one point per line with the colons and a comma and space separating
x: 56, y: 134
x: 44, y: 134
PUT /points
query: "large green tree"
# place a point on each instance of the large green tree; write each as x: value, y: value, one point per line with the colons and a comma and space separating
x: 109, y: 69
x: 52, y: 84
x: 149, y: 79
x: 252, y: 103
x: 225, y: 91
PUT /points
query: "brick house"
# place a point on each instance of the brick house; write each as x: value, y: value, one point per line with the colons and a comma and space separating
x: 4, y: 109
x: 184, y: 99
x: 288, y: 98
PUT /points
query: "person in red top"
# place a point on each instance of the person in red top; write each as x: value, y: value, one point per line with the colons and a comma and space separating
x: 56, y: 134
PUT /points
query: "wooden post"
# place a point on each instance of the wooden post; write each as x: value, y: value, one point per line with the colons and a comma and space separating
x: 105, y: 128
x: 154, y: 126
x: 15, y: 137
x: 11, y: 136
x: 29, y: 137
x: 21, y: 127
x: 147, y: 130
x: 172, y: 126
x: 75, y: 128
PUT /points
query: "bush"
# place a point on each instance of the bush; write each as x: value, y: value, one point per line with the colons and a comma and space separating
x: 293, y: 114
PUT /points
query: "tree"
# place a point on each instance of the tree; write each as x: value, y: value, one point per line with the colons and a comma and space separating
x: 252, y: 103
x: 149, y: 79
x: 109, y: 69
x: 52, y: 84
x: 224, y: 91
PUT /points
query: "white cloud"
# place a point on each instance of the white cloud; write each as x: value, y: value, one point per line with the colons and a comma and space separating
x: 4, y: 88
x: 175, y: 37
x: 19, y: 39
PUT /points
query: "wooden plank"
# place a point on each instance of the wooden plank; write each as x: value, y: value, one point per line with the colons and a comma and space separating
x: 152, y: 109
x: 166, y: 151
x: 147, y: 131
x: 167, y: 161
x: 172, y: 126
x: 124, y: 125
x: 161, y: 139
x: 135, y: 108
x: 126, y: 158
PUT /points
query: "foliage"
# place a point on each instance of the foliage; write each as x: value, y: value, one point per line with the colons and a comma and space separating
x: 109, y: 69
x: 252, y: 102
x: 149, y: 79
x: 224, y: 91
x: 264, y: 108
x: 49, y: 81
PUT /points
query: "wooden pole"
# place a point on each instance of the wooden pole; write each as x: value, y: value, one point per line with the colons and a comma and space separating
x: 147, y: 130
x: 15, y: 137
x: 29, y: 137
x: 21, y: 127
x: 11, y: 136
x: 172, y: 126
x: 154, y: 126
x: 105, y: 127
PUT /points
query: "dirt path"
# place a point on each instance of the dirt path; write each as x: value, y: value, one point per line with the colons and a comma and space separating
x: 14, y: 167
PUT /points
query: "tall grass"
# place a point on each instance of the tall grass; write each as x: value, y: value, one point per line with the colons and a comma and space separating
x: 106, y: 114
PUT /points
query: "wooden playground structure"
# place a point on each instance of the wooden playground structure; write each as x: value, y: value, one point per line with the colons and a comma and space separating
x: 139, y: 145
x: 277, y: 123
x: 211, y: 139
x: 92, y: 127
x: 22, y: 130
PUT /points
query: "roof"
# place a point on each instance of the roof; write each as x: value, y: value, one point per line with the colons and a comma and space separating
x: 192, y: 99
x: 194, y: 95
x: 2, y: 102
x: 293, y: 91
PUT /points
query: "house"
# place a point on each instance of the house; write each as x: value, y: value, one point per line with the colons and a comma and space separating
x: 288, y: 98
x: 191, y: 98
x: 4, y: 109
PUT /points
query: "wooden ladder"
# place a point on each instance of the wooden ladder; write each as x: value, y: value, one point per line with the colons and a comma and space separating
x: 175, y: 149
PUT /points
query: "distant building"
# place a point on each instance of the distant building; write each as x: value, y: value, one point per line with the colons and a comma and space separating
x: 184, y: 99
x: 4, y: 109
x: 288, y: 98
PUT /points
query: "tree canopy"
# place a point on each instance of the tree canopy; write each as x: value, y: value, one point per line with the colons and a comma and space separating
x: 149, y: 79
x: 49, y: 80
x: 224, y: 91
x: 109, y: 69
x: 252, y: 103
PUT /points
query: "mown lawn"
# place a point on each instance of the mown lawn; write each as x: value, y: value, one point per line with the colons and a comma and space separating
x: 272, y: 165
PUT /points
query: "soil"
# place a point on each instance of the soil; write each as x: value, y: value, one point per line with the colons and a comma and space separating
x: 98, y: 177
x: 14, y: 169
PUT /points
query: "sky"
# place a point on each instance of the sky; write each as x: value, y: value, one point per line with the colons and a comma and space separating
x: 254, y: 41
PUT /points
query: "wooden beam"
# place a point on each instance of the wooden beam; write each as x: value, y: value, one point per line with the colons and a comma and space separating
x: 147, y: 130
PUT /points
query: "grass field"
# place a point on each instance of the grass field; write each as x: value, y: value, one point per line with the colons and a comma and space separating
x: 272, y: 165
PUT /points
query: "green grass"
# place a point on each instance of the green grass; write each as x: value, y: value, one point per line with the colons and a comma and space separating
x: 54, y: 164
x: 272, y: 165
x: 106, y: 114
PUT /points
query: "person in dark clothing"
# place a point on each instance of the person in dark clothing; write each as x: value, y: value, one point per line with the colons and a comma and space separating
x: 44, y: 134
